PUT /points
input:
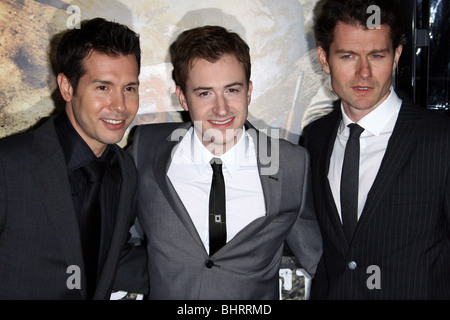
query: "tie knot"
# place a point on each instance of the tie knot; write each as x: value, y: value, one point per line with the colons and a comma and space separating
x: 216, y: 165
x: 94, y: 171
x: 355, y: 130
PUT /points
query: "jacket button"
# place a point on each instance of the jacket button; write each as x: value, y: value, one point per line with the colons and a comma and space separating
x: 352, y: 265
x: 209, y: 264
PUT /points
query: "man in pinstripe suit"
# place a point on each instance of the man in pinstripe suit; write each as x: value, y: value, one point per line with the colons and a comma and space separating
x: 400, y: 246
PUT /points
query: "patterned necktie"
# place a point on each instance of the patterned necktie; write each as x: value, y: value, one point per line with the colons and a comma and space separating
x: 217, y: 221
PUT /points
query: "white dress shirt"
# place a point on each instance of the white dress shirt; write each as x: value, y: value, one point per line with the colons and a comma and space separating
x: 378, y: 126
x: 191, y: 175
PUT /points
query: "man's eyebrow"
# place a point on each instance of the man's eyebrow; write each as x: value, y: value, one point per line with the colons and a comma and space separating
x: 237, y: 83
x: 106, y: 82
x: 102, y: 81
x: 341, y: 51
x: 202, y: 88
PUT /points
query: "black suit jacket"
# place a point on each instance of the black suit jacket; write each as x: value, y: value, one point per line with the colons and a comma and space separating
x: 39, y: 234
x: 404, y: 229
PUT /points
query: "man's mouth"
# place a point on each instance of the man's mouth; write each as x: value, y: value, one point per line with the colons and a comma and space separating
x: 362, y: 88
x: 114, y: 122
x: 221, y: 123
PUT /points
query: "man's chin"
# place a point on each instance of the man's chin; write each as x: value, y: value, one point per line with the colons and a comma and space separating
x: 220, y: 146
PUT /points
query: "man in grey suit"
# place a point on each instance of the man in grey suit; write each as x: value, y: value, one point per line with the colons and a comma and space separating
x: 395, y: 241
x: 267, y: 184
x: 52, y: 245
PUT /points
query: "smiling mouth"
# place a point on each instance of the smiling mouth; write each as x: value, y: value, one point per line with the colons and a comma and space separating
x: 221, y: 123
x: 115, y: 122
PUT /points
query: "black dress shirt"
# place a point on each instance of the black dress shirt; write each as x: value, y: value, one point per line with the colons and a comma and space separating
x: 77, y: 153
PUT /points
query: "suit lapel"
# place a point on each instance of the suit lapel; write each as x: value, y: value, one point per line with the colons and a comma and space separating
x: 162, y: 160
x: 271, y: 183
x: 324, y: 183
x: 270, y: 175
x: 397, y: 153
x: 269, y: 169
x: 52, y: 186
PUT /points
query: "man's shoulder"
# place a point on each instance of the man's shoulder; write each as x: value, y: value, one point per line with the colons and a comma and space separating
x: 148, y: 137
x: 158, y: 130
x: 17, y: 143
x: 326, y: 120
x: 432, y: 119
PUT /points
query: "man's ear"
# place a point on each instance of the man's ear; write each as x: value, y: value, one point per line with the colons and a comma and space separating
x: 397, y: 54
x: 182, y: 98
x: 323, y: 59
x: 65, y: 88
x: 249, y: 93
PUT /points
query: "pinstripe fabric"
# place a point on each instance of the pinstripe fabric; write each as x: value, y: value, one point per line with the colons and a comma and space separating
x: 404, y: 228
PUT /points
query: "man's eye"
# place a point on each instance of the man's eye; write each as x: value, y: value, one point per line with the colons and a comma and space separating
x: 130, y: 89
x: 102, y: 88
x: 204, y: 94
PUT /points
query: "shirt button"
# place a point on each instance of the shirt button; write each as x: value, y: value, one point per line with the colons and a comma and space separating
x: 209, y: 264
x: 352, y: 265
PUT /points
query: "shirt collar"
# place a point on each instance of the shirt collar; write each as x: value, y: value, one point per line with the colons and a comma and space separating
x: 76, y: 151
x: 375, y: 121
x: 232, y: 160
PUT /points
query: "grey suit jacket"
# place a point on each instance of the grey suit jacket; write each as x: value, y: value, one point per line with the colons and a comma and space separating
x: 247, y: 266
x: 404, y: 229
x: 39, y: 234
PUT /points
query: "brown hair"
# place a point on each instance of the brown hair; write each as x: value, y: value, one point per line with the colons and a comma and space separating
x: 354, y: 12
x: 209, y: 43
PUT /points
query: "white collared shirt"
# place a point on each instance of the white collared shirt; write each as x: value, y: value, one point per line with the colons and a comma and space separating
x: 191, y: 175
x: 378, y: 126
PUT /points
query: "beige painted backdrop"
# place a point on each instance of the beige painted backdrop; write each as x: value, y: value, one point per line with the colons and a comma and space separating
x: 288, y: 90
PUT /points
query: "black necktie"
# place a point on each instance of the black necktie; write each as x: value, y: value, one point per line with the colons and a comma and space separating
x: 349, y: 182
x: 217, y: 223
x: 90, y: 222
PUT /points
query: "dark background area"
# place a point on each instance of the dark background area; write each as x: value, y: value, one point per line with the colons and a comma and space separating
x: 423, y: 72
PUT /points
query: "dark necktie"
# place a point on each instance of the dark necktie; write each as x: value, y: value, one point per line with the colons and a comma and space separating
x: 90, y: 222
x: 349, y: 182
x: 217, y: 222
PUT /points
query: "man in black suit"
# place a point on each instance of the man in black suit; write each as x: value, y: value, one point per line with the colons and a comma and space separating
x: 51, y: 245
x: 387, y: 235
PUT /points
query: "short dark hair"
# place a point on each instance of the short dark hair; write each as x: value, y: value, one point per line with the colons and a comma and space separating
x: 209, y: 43
x: 98, y: 35
x: 354, y: 12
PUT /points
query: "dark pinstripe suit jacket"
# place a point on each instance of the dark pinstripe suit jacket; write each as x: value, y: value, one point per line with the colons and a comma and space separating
x: 404, y: 229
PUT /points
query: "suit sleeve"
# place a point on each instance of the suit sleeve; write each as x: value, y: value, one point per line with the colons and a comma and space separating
x: 132, y: 273
x: 305, y: 239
